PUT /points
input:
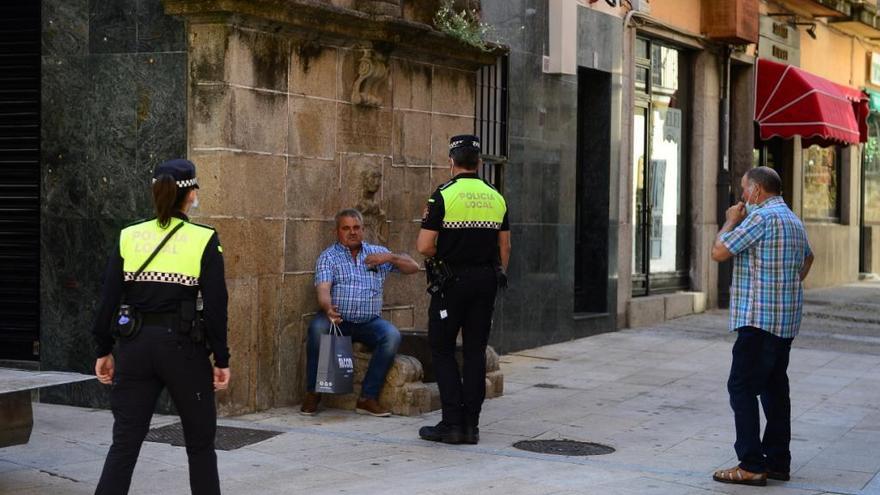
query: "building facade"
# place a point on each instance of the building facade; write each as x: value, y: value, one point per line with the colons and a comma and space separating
x: 832, y: 185
x: 631, y: 124
x: 618, y: 132
x: 614, y: 164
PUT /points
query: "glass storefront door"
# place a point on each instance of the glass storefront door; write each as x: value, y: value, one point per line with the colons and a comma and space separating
x: 659, y: 206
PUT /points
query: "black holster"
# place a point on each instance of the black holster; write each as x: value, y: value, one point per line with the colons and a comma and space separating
x: 439, y: 274
x: 192, y: 323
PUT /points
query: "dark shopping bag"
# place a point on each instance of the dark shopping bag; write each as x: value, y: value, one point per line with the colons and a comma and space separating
x: 335, y: 363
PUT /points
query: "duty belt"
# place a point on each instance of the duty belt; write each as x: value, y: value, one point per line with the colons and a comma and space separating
x: 167, y: 320
x: 458, y: 269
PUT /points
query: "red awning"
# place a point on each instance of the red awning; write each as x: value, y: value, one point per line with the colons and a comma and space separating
x: 792, y: 102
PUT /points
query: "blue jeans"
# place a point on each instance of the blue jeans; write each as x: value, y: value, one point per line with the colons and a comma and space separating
x: 379, y: 335
x: 760, y: 362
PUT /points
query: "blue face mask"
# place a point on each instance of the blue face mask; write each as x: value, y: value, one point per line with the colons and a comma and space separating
x: 751, y: 207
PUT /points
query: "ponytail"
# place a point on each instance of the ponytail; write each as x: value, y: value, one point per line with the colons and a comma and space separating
x: 165, y: 198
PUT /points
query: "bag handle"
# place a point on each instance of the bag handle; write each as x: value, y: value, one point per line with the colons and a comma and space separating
x: 334, y: 329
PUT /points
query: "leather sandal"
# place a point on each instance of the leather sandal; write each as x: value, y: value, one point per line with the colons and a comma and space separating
x: 739, y: 476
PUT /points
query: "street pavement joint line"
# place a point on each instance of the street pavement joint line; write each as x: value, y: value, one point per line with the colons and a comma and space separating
x: 542, y: 358
x: 50, y: 473
x: 867, y: 339
x: 56, y: 475
x: 872, y: 487
x: 516, y: 454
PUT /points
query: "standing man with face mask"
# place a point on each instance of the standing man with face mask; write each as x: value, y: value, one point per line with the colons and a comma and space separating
x: 464, y: 229
x: 772, y: 256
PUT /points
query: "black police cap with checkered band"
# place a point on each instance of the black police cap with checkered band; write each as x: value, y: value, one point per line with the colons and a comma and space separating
x: 183, y: 171
x: 464, y: 141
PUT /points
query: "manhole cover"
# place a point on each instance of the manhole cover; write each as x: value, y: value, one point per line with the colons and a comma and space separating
x: 563, y: 447
x: 228, y: 437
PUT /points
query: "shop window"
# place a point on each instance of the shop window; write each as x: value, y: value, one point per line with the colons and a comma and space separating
x: 822, y: 183
x: 871, y: 171
x: 490, y: 122
x: 659, y: 203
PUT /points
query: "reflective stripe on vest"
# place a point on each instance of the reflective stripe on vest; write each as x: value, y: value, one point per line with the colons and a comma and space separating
x: 472, y: 204
x: 179, y: 262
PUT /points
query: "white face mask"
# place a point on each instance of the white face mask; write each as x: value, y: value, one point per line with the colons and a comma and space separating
x: 195, y: 203
x: 750, y: 207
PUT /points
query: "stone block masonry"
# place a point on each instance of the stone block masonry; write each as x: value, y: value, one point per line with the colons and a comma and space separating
x: 299, y: 109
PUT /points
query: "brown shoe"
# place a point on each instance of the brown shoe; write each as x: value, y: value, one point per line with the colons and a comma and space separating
x: 371, y: 406
x: 740, y: 476
x: 310, y: 404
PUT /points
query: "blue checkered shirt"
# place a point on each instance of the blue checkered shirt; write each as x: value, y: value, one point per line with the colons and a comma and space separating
x: 770, y: 247
x: 355, y: 291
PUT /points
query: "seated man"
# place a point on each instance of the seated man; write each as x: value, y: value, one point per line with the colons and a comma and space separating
x: 349, y: 276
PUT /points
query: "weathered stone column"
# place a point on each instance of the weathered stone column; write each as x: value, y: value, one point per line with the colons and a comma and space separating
x: 299, y: 108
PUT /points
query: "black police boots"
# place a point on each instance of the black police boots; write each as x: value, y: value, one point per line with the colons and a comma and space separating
x: 470, y: 435
x: 442, y: 433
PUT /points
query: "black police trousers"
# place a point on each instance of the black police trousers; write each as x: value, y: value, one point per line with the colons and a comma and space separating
x: 466, y: 305
x: 154, y: 359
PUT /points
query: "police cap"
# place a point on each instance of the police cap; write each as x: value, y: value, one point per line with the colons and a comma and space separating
x: 183, y: 171
x: 464, y: 141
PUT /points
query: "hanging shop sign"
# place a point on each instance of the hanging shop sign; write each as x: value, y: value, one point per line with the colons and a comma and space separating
x: 779, y: 41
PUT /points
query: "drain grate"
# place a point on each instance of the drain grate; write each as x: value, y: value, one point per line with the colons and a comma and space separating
x: 228, y: 437
x: 563, y: 447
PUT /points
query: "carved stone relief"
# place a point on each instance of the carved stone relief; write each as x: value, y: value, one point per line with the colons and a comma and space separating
x: 375, y: 218
x: 371, y: 80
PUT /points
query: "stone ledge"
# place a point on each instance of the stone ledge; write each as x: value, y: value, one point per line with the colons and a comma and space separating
x: 404, y: 393
x: 320, y: 20
x: 17, y: 418
x: 650, y: 310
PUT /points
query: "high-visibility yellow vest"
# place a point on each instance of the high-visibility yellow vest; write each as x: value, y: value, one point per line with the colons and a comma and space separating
x: 471, y: 203
x: 179, y: 261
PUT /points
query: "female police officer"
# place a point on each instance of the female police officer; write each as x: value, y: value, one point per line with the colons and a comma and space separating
x: 149, y: 306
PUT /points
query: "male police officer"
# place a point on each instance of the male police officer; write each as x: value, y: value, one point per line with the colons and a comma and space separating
x: 464, y: 230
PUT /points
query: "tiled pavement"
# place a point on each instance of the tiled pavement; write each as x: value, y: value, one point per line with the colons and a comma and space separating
x: 657, y: 395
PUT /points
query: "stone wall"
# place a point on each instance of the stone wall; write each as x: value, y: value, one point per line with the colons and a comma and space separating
x: 113, y: 106
x: 286, y: 129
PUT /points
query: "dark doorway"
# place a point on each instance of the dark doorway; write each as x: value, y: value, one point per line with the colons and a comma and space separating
x: 19, y: 180
x: 593, y: 185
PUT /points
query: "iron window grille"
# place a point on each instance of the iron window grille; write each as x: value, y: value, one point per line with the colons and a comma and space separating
x: 490, y: 119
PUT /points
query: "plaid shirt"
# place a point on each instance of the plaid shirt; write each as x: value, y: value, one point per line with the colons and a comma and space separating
x: 770, y: 247
x: 355, y: 291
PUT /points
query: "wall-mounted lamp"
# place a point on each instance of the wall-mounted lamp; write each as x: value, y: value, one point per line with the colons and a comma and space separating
x: 810, y: 30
